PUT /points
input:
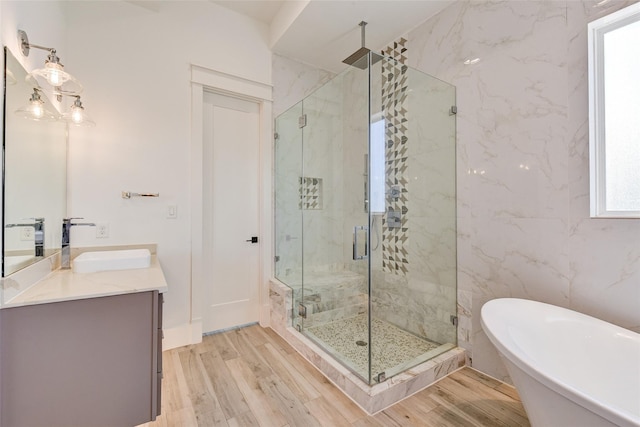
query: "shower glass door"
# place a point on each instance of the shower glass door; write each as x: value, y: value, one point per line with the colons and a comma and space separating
x: 413, y: 230
x: 288, y: 220
x: 335, y: 247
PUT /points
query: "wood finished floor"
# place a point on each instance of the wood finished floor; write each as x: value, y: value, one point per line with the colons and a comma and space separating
x: 252, y: 377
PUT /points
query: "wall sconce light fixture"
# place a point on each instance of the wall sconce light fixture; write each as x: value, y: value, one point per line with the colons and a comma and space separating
x: 53, y: 73
x: 61, y: 83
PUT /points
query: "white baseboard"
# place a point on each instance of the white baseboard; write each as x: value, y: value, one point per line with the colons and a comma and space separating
x: 265, y: 315
x: 190, y: 333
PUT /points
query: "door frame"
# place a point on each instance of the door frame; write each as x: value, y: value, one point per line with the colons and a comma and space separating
x: 225, y: 84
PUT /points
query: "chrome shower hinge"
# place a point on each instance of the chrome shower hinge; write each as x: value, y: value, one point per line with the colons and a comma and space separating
x: 302, y: 121
x: 454, y: 320
x: 302, y: 311
x: 453, y: 110
x: 276, y: 135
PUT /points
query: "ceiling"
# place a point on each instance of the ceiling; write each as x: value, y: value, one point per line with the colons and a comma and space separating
x: 320, y: 33
x: 260, y: 10
x: 324, y: 32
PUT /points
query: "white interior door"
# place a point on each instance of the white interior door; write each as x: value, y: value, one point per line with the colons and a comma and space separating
x: 230, y: 211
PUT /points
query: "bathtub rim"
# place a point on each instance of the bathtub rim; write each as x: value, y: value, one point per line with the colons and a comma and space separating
x: 617, y: 415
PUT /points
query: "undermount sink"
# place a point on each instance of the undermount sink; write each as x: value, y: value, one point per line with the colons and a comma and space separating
x: 91, y: 262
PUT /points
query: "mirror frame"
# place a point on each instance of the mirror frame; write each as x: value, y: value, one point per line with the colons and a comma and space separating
x: 597, y: 143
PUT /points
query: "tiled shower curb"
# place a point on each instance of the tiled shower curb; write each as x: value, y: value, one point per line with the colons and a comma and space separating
x: 370, y: 398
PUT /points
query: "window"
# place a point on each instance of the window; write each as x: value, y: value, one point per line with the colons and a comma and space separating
x: 614, y: 114
x: 377, y: 167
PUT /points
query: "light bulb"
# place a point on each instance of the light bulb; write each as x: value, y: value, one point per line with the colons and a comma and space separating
x: 37, y: 109
x: 55, y: 75
x: 54, y: 78
x: 77, y: 114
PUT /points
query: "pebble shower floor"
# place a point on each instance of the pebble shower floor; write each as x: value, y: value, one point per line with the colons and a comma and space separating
x: 391, y: 345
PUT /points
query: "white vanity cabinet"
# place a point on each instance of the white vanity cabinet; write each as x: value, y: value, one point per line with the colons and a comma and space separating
x: 83, y: 362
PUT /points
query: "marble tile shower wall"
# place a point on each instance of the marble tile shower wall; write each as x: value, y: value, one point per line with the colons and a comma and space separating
x: 322, y: 146
x: 309, y: 207
x: 423, y: 300
x: 414, y: 284
x: 523, y: 177
x: 292, y: 81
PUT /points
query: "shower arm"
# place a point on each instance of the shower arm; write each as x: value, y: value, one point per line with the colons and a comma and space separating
x: 362, y: 31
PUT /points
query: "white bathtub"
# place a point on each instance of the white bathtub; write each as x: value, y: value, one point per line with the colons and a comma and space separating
x: 569, y: 368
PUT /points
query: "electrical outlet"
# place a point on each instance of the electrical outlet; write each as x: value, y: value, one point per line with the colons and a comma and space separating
x: 26, y: 233
x: 102, y: 230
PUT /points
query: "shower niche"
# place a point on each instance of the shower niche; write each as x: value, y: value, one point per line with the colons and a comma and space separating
x: 365, y: 217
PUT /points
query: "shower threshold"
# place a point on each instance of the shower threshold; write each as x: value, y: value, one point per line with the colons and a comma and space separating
x: 371, y: 398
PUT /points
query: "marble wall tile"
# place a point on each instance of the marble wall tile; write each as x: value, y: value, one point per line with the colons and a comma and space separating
x: 522, y: 158
x: 604, y: 270
x: 511, y: 108
x: 464, y: 301
x: 525, y: 258
x: 292, y: 81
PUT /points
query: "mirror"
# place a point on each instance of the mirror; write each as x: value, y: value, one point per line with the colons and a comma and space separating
x: 614, y: 114
x: 34, y: 176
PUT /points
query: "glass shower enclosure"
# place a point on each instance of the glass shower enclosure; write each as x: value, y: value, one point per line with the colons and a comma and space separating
x: 365, y: 216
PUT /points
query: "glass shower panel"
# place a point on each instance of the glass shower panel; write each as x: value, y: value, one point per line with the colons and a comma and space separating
x: 288, y: 217
x: 365, y: 207
x: 335, y: 244
x: 413, y: 262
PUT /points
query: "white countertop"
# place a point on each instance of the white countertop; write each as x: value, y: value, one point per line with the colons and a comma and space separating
x: 65, y: 285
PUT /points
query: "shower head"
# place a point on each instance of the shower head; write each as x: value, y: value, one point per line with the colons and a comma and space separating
x: 359, y: 57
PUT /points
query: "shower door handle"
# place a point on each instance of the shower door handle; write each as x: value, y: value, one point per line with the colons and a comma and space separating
x: 356, y: 248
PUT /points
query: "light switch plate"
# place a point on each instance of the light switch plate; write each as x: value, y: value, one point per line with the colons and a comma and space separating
x: 172, y: 211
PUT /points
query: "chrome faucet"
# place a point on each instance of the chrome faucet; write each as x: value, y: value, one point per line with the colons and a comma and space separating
x: 65, y: 262
x: 38, y: 235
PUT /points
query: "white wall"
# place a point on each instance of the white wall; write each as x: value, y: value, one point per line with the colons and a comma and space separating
x: 135, y: 65
x: 523, y: 164
x: 44, y: 23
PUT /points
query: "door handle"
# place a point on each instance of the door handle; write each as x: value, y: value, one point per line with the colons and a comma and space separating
x: 253, y: 239
x: 356, y: 248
